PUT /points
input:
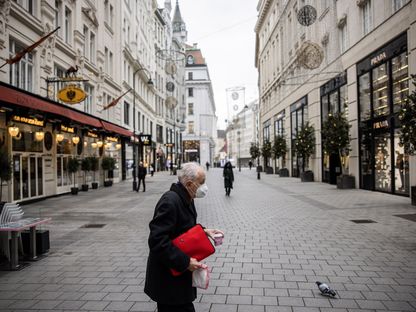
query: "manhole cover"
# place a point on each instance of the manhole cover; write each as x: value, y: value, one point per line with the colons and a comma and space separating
x: 363, y: 221
x: 93, y: 226
x: 411, y: 217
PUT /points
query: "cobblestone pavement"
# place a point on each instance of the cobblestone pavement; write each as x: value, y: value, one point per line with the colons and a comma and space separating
x: 281, y: 236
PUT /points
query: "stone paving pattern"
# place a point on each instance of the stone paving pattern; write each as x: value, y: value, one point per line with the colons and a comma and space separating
x: 281, y: 236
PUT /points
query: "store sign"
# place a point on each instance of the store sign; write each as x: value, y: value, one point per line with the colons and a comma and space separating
x: 111, y: 139
x: 92, y: 134
x: 378, y: 58
x: 67, y: 129
x: 72, y: 94
x: 145, y: 139
x: 170, y: 144
x: 381, y: 124
x: 29, y: 121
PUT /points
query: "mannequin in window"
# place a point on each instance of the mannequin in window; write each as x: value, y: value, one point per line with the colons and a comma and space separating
x: 400, y: 167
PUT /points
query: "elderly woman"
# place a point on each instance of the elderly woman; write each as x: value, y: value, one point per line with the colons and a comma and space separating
x: 174, y: 214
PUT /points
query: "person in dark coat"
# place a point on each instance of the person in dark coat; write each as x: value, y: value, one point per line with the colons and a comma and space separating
x: 142, y: 171
x: 174, y: 214
x: 228, y: 178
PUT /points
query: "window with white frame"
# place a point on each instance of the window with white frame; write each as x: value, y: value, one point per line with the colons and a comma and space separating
x: 58, y: 18
x: 21, y: 73
x: 110, y: 63
x: 68, y: 26
x: 85, y: 47
x: 343, y: 37
x: 126, y: 113
x: 92, y: 47
x: 367, y: 17
x: 106, y: 57
x: 88, y: 102
x: 28, y: 5
x: 191, y: 129
x: 398, y: 4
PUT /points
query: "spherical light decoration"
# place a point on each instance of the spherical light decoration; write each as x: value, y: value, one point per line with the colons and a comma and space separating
x: 75, y: 139
x: 306, y: 15
x: 100, y: 144
x: 107, y: 145
x: 13, y: 131
x: 310, y: 55
x: 39, y: 135
x: 94, y: 145
x: 85, y: 143
x: 59, y: 137
x: 118, y: 146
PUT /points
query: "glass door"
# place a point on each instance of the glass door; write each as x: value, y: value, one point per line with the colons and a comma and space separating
x: 401, y: 168
x: 27, y: 176
x: 382, y: 162
x: 63, y: 178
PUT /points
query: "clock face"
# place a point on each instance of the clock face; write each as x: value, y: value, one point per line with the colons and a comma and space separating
x: 234, y: 96
x: 307, y: 15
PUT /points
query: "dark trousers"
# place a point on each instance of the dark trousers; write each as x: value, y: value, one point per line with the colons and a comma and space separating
x: 144, y: 185
x: 189, y: 307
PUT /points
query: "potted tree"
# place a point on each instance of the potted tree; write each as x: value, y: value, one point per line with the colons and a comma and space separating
x: 255, y: 154
x: 336, y: 140
x: 407, y: 117
x: 94, y: 168
x: 73, y: 166
x: 279, y: 150
x: 304, y: 147
x: 266, y: 152
x: 5, y: 171
x: 85, y: 167
x: 108, y: 165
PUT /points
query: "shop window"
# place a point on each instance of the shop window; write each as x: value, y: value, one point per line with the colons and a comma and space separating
x: 65, y: 146
x: 380, y: 90
x: 279, y: 125
x: 298, y: 117
x: 365, y: 97
x: 25, y: 142
x: 21, y: 73
x: 400, y: 80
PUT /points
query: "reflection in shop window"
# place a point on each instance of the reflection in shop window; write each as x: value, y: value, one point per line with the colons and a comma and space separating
x: 400, y: 77
x: 365, y: 97
x: 380, y: 90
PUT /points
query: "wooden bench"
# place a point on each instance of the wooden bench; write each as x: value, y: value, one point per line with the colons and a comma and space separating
x: 11, y: 221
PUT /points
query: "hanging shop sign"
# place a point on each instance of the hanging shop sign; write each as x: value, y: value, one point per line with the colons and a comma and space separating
x: 67, y: 129
x: 111, y: 139
x: 92, y: 135
x: 72, y: 94
x: 29, y: 121
x: 145, y: 139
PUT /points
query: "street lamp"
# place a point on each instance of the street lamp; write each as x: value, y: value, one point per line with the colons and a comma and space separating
x: 239, y: 154
x: 149, y: 83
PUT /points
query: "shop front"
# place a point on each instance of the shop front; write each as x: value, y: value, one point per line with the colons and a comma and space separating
x: 298, y: 118
x: 41, y: 136
x: 383, y: 85
x: 191, y: 150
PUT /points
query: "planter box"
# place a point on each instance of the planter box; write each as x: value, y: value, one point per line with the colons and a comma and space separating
x: 74, y: 190
x: 108, y: 183
x: 284, y: 172
x: 345, y: 182
x: 84, y: 187
x: 306, y: 176
x: 94, y: 185
x: 413, y: 195
x: 269, y: 170
x: 42, y: 241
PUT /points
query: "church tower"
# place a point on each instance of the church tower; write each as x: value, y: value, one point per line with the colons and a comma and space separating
x: 179, y: 26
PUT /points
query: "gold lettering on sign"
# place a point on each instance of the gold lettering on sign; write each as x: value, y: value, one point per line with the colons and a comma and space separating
x: 67, y: 129
x: 112, y: 139
x: 92, y: 134
x: 377, y: 59
x: 29, y: 121
x: 381, y: 124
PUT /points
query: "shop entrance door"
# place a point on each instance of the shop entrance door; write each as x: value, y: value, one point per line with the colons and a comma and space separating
x: 382, y: 162
x: 63, y: 178
x: 27, y: 176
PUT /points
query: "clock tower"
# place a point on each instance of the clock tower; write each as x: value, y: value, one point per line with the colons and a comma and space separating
x: 178, y: 25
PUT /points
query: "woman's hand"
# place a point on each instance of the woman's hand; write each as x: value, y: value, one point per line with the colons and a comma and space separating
x: 212, y: 232
x: 194, y: 264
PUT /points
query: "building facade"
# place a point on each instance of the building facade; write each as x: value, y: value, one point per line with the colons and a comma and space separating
x: 201, y: 121
x: 368, y: 56
x: 109, y: 49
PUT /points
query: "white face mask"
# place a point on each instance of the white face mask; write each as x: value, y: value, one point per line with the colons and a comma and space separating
x: 202, y: 191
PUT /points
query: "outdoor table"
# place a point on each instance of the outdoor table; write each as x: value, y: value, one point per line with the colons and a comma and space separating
x: 15, y: 228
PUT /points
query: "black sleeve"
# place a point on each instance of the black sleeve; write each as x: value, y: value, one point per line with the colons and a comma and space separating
x: 160, y: 244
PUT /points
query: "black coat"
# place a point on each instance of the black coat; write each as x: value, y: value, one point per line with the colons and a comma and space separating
x: 174, y: 214
x: 142, y: 172
x: 228, y: 177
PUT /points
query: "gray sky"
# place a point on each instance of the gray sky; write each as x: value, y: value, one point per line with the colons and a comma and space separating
x: 224, y: 31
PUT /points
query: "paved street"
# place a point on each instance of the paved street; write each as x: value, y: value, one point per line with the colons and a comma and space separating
x: 281, y: 236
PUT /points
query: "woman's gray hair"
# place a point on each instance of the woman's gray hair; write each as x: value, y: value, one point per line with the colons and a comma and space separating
x: 189, y: 172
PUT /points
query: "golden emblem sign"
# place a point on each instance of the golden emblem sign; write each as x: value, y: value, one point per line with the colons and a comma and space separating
x: 72, y: 94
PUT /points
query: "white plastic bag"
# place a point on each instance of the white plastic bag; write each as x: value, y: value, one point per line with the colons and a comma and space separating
x: 200, y: 277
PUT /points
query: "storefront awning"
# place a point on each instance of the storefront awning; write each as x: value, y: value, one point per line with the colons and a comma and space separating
x: 116, y: 129
x: 16, y: 97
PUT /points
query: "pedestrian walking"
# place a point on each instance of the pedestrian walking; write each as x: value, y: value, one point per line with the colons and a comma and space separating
x: 142, y: 175
x: 174, y: 214
x: 152, y: 170
x: 207, y: 165
x: 250, y: 164
x: 228, y: 178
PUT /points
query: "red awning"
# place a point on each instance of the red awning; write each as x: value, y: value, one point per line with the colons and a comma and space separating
x: 16, y: 97
x: 117, y: 129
